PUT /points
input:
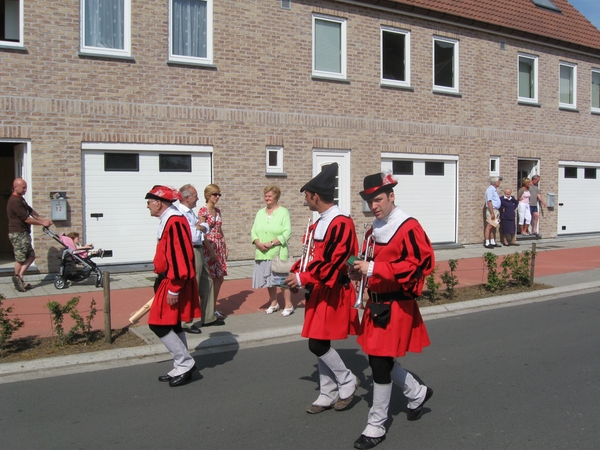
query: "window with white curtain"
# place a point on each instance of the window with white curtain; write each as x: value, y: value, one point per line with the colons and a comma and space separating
x: 528, y: 78
x: 445, y: 64
x: 329, y: 47
x: 567, y: 85
x: 190, y: 31
x: 395, y: 57
x: 106, y: 27
x: 596, y: 90
x: 11, y: 23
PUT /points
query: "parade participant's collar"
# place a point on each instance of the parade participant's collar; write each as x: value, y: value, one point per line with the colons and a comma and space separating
x: 164, y: 218
x: 384, y: 229
x: 376, y: 184
x: 326, y: 217
x: 324, y: 182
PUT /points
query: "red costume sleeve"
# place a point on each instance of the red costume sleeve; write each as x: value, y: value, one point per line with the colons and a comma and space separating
x: 414, y: 262
x: 175, y: 255
x: 331, y: 254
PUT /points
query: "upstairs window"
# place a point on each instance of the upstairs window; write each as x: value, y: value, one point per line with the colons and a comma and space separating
x: 596, y: 90
x: 445, y: 64
x: 395, y: 57
x: 568, y: 86
x: 528, y: 78
x: 329, y: 47
x: 191, y: 31
x: 11, y: 23
x: 106, y: 27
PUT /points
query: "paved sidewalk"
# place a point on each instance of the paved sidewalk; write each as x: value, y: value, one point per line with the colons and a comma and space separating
x: 569, y: 264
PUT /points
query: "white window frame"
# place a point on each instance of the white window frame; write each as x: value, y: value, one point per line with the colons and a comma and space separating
x: 455, y: 65
x: 208, y: 60
x: 595, y: 109
x: 387, y: 81
x: 277, y: 168
x: 573, y: 87
x: 125, y: 52
x: 535, y: 60
x: 20, y: 23
x: 495, y: 173
x: 343, y: 51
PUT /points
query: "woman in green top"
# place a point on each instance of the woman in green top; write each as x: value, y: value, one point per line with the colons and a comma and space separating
x: 271, y: 232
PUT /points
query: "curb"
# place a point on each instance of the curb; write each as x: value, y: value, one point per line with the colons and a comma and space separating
x: 212, y: 344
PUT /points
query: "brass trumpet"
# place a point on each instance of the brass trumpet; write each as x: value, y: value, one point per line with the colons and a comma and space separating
x: 307, y: 247
x: 366, y: 254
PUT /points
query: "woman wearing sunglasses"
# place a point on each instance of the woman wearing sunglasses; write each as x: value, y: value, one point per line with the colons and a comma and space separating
x: 215, y: 249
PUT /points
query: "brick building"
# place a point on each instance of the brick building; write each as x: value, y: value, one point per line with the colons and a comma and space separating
x: 101, y: 99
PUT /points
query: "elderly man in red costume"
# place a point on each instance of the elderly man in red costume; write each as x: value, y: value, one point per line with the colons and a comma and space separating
x: 176, y: 289
x: 392, y: 324
x: 328, y: 313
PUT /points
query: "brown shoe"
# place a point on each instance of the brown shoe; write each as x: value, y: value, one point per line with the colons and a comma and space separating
x: 342, y: 404
x: 316, y: 409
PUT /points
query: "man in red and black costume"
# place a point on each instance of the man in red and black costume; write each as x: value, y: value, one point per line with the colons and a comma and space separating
x: 392, y: 324
x: 175, y: 289
x: 329, y: 313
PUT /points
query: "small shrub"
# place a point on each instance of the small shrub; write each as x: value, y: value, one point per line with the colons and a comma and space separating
x: 432, y: 286
x: 450, y: 279
x: 7, y: 326
x: 58, y: 312
x: 494, y: 282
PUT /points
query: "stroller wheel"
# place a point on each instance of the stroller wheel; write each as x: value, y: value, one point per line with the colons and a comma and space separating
x: 99, y: 281
x: 60, y: 283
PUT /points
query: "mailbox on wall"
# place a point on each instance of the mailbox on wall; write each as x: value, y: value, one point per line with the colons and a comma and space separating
x: 58, y: 206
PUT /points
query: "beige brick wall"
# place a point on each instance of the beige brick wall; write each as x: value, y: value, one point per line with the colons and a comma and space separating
x: 261, y: 92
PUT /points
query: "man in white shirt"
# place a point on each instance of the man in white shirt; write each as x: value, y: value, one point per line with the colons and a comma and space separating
x: 189, y: 196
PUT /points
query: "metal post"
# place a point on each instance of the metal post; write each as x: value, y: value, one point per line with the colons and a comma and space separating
x: 107, y: 324
x: 532, y: 272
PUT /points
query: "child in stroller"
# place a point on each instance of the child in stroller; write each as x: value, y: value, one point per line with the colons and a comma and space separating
x: 75, y: 262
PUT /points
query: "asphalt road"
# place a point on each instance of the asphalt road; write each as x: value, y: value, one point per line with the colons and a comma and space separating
x: 522, y: 377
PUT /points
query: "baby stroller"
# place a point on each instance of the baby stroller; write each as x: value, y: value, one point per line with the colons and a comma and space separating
x: 75, y: 264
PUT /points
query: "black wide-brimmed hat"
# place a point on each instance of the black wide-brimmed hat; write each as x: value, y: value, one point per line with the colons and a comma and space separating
x: 376, y: 184
x: 323, y: 183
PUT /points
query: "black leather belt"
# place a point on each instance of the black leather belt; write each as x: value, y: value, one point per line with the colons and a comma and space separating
x: 388, y: 296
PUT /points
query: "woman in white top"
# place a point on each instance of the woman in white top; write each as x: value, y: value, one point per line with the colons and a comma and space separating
x: 524, y: 212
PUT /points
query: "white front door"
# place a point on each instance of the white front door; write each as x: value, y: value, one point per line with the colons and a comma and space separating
x: 427, y: 191
x: 323, y: 158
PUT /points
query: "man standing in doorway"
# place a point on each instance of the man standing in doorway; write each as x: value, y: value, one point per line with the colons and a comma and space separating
x: 492, y: 205
x: 536, y: 197
x: 20, y: 218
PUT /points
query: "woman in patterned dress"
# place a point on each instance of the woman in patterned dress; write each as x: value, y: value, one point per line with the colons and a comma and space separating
x: 215, y: 249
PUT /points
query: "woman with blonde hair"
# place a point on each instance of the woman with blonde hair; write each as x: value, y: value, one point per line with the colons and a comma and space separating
x: 215, y: 248
x: 270, y: 234
x: 524, y: 212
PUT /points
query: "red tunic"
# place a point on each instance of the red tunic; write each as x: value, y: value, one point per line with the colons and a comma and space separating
x: 175, y: 256
x: 329, y: 313
x: 401, y: 264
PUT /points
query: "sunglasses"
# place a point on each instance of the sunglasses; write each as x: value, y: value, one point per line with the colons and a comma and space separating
x: 216, y: 195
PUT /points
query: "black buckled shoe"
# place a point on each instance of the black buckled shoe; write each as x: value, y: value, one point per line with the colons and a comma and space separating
x: 183, y: 378
x: 218, y: 322
x: 193, y: 329
x: 415, y: 414
x: 368, y: 442
x: 164, y: 378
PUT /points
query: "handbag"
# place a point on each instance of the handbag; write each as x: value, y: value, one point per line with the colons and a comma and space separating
x: 279, y: 265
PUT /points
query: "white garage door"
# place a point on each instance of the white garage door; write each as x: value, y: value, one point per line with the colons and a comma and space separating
x: 115, y: 183
x: 577, y: 200
x: 426, y: 190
